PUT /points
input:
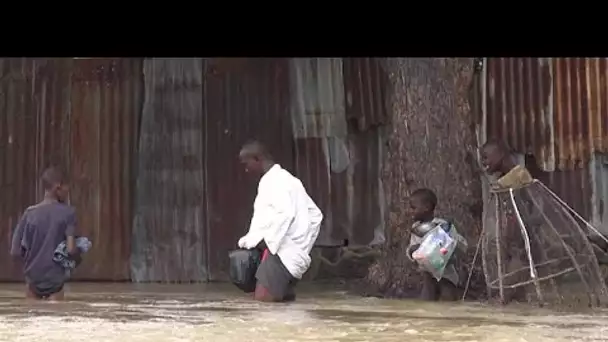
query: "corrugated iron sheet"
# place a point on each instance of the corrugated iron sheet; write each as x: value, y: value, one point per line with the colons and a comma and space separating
x: 23, y: 111
x: 242, y: 99
x: 304, y: 115
x: 193, y: 200
x: 599, y: 178
x: 366, y: 82
x: 574, y: 186
x: 581, y: 109
x: 317, y: 108
x: 555, y: 110
x: 105, y: 99
x: 80, y: 115
x: 519, y: 106
x: 170, y: 239
x: 337, y: 108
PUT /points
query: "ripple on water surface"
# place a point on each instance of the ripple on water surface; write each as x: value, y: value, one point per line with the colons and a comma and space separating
x: 196, y: 313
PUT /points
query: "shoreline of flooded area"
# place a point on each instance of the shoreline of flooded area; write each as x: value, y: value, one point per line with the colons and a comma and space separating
x: 219, y: 312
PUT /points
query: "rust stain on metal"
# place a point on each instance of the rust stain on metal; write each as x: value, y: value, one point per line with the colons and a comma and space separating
x: 339, y: 159
x: 366, y: 82
x: 169, y: 230
x: 249, y: 102
x: 193, y: 200
x: 555, y: 111
x: 554, y: 108
x: 80, y: 115
x: 574, y: 186
x: 18, y: 150
x: 105, y: 99
x: 258, y: 100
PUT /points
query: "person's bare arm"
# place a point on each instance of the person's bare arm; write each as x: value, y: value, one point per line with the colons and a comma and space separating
x: 413, y: 246
x: 71, y: 244
x: 70, y: 233
x: 16, y: 246
x: 411, y: 249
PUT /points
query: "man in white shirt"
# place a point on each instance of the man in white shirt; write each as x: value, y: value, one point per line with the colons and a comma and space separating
x: 285, y: 224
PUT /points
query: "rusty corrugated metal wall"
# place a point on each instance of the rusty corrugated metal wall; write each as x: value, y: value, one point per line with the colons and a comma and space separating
x: 79, y: 114
x: 26, y: 111
x: 366, y: 82
x: 105, y: 109
x: 193, y: 200
x: 322, y: 119
x: 169, y: 228
x: 599, y: 178
x: 243, y: 99
x: 555, y: 110
x: 338, y: 110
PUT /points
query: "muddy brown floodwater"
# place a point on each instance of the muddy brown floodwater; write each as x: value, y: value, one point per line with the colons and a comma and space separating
x: 215, y: 313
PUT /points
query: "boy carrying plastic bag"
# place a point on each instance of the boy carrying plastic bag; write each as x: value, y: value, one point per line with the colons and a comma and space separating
x: 433, y: 243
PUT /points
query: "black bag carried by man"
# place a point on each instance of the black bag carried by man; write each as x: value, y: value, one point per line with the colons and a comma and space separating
x: 243, y: 266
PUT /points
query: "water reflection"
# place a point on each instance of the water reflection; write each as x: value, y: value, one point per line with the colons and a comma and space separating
x: 114, y: 312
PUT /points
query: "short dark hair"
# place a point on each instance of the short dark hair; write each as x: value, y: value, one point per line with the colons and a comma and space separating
x: 427, y: 196
x: 256, y: 148
x: 499, y: 144
x: 52, y: 176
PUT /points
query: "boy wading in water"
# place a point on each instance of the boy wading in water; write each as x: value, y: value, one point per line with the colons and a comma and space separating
x: 41, y: 228
x: 422, y: 210
x: 285, y: 225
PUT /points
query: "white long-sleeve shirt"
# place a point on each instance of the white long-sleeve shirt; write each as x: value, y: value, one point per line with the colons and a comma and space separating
x: 286, y: 218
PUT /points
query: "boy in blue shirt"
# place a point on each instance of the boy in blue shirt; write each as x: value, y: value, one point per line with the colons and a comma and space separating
x: 40, y: 230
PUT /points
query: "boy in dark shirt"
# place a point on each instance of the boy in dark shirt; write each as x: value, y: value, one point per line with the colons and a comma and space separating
x: 41, y: 228
x: 497, y: 160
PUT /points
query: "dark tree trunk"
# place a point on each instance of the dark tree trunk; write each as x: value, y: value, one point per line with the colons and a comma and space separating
x: 431, y: 144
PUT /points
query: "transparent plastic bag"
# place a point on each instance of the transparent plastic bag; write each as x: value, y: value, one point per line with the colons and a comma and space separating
x: 435, y: 251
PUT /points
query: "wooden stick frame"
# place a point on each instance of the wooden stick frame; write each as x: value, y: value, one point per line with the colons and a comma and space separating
x: 532, y: 267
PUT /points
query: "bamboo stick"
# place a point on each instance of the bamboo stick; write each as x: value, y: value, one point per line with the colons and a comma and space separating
x: 566, y: 247
x: 501, y: 288
x: 526, y: 237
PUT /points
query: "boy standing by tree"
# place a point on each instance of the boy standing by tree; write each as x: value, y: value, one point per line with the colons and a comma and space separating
x: 422, y: 210
x: 498, y: 160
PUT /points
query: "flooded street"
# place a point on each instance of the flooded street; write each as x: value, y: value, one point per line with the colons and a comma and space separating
x: 130, y: 312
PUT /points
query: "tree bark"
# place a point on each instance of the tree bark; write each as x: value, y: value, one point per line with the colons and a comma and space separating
x: 431, y: 144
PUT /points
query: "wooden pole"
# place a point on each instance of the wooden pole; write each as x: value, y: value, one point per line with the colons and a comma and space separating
x: 526, y: 237
x: 568, y: 250
x: 501, y: 289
